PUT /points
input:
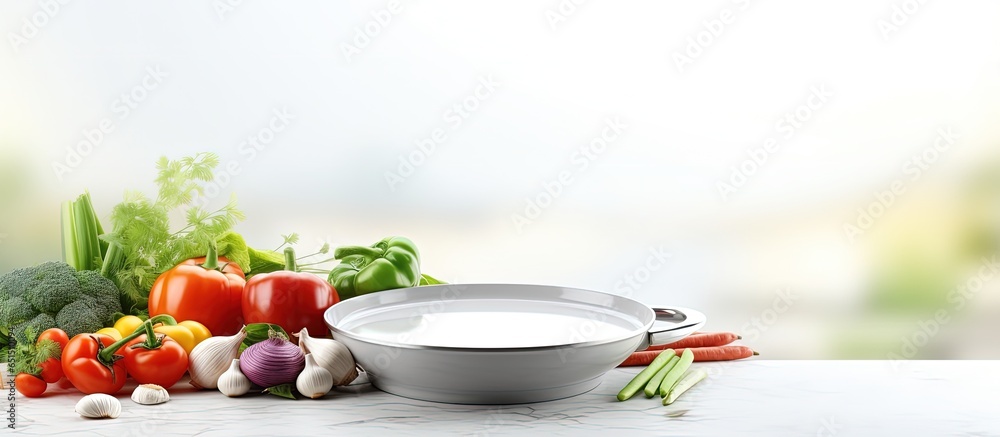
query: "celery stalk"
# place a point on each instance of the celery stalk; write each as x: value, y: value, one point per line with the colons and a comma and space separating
x: 80, y: 229
x: 69, y: 242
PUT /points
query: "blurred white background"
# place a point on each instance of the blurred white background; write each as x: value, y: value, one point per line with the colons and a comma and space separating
x: 360, y: 84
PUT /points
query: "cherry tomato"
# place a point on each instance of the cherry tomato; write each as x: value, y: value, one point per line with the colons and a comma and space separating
x: 64, y: 384
x: 86, y: 371
x: 51, y: 370
x: 29, y: 385
x: 55, y: 334
x: 163, y: 366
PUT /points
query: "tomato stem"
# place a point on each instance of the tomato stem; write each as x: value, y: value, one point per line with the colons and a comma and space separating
x: 152, y: 342
x: 290, y: 259
x: 212, y: 257
x: 106, y: 355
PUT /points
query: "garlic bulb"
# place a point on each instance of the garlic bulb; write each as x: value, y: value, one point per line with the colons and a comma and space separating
x: 150, y: 394
x: 99, y: 406
x: 314, y: 381
x: 331, y: 355
x: 233, y: 382
x: 210, y: 358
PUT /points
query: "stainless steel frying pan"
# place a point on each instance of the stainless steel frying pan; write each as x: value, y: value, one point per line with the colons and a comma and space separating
x: 498, y: 343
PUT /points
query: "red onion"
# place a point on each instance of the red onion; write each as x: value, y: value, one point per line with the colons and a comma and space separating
x: 272, y: 362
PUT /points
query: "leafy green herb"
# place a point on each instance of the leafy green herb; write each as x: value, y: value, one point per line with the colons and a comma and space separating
x: 230, y: 245
x: 289, y: 239
x: 141, y: 243
x: 28, y: 355
x: 283, y: 390
x: 426, y: 279
x: 265, y: 261
x: 258, y: 332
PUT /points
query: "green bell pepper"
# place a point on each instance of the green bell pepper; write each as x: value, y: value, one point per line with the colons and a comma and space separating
x: 391, y: 263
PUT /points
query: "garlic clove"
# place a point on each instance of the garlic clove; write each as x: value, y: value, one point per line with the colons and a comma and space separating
x: 314, y: 381
x: 210, y: 358
x: 99, y: 406
x: 150, y: 394
x: 331, y: 355
x: 233, y: 382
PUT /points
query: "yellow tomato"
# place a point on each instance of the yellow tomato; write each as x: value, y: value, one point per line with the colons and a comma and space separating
x: 180, y: 334
x: 110, y: 332
x: 200, y: 331
x: 127, y: 325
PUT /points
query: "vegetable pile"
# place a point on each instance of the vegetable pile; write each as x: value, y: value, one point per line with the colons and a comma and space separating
x: 271, y: 362
x: 110, y: 309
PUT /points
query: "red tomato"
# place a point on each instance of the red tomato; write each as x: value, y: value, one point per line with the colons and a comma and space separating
x: 86, y: 371
x: 288, y: 299
x: 202, y: 291
x: 29, y: 385
x: 51, y: 370
x: 64, y: 383
x: 55, y: 334
x: 162, y: 366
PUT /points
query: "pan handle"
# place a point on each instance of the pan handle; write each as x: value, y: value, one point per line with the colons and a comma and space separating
x: 668, y: 321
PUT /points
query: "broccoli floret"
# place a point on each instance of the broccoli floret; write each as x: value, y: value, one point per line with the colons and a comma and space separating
x: 84, y: 315
x: 37, y: 324
x: 14, y: 284
x: 54, y: 294
x: 16, y: 310
x: 104, y: 292
x: 55, y: 287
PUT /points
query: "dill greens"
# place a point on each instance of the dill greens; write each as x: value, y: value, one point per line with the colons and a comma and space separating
x: 141, y: 243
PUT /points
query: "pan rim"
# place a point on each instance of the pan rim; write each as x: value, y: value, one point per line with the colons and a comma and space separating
x: 643, y: 330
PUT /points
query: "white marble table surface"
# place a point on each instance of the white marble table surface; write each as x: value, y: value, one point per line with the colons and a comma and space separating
x: 750, y: 397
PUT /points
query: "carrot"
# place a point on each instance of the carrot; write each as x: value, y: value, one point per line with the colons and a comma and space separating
x: 640, y: 358
x: 720, y: 353
x: 701, y: 354
x: 707, y: 339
